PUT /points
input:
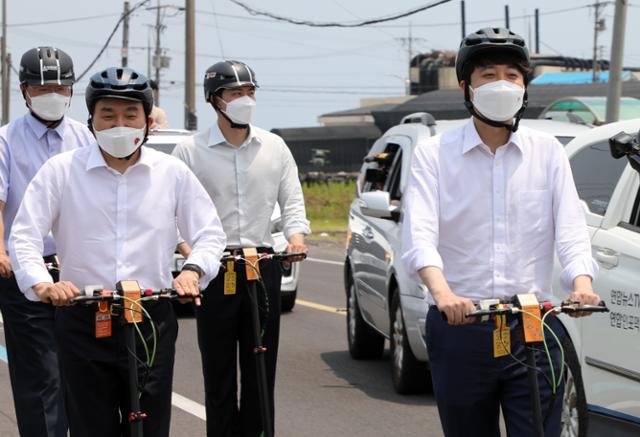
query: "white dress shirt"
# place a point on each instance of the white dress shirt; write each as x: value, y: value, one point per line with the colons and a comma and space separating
x: 489, y: 221
x: 25, y: 144
x: 246, y: 182
x: 110, y: 226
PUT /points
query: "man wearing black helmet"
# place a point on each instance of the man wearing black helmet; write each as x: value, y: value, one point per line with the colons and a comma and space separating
x: 245, y: 170
x: 484, y: 207
x: 113, y: 207
x: 46, y: 79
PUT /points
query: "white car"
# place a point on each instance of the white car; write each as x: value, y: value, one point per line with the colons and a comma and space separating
x: 165, y: 140
x: 384, y: 303
x: 608, y: 346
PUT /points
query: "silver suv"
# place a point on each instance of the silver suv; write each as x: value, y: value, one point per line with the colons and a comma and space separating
x: 382, y: 302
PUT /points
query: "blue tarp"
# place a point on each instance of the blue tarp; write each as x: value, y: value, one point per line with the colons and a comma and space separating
x: 575, y: 77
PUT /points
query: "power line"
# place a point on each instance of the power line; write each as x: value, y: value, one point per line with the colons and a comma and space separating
x: 106, y: 44
x: 66, y: 20
x: 215, y: 19
x: 489, y: 20
x: 333, y: 24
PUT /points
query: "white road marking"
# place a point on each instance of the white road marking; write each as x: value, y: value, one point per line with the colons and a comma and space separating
x: 325, y: 261
x: 189, y: 406
x: 318, y: 306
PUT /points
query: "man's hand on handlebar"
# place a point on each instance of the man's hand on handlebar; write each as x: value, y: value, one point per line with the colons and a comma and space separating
x: 296, y: 245
x: 59, y: 294
x: 454, y: 307
x: 187, y: 283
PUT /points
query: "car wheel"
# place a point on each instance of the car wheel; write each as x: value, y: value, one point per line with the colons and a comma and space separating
x: 574, y: 403
x: 364, y: 341
x: 288, y: 301
x: 407, y: 373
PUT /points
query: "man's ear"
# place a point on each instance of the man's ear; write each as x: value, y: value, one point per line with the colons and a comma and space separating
x: 462, y: 84
x: 23, y: 90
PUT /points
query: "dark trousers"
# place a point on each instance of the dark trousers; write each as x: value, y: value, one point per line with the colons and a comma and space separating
x: 33, y: 363
x: 224, y: 325
x: 470, y: 385
x: 96, y: 372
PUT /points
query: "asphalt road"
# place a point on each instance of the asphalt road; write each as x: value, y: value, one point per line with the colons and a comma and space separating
x: 320, y: 390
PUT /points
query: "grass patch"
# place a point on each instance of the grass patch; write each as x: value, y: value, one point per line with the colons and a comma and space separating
x: 328, y: 206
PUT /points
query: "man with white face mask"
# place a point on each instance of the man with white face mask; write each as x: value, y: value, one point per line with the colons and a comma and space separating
x: 46, y: 79
x: 485, y: 206
x: 113, y: 207
x: 245, y: 170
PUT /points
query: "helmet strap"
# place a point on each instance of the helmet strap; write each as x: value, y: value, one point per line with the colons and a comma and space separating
x: 510, y: 127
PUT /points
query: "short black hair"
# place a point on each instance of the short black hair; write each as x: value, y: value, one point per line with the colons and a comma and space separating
x: 497, y: 58
x: 153, y: 84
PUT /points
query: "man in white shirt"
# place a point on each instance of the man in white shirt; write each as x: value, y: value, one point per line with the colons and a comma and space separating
x: 113, y: 207
x: 46, y: 79
x: 485, y: 206
x: 245, y: 170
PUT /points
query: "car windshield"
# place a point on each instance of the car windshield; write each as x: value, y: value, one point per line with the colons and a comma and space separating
x: 564, y: 140
x: 162, y: 147
x: 629, y: 108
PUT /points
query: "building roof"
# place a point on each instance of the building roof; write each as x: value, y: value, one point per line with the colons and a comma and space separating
x: 576, y: 77
x: 365, y: 130
x: 448, y: 104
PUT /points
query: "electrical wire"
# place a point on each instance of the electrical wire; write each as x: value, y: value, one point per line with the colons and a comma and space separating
x: 66, y: 20
x: 106, y: 44
x: 215, y: 20
x: 334, y: 24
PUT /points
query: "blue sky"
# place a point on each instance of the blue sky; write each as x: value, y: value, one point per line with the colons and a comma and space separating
x: 303, y: 71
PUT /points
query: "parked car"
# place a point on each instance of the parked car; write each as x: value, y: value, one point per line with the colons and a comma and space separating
x: 165, y: 140
x: 384, y: 303
x: 608, y: 347
x: 588, y: 110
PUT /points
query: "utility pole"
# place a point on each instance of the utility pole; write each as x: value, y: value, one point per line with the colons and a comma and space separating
x: 190, y: 118
x: 125, y: 35
x: 463, y: 19
x: 537, y: 24
x: 506, y: 16
x: 409, y: 43
x: 5, y: 66
x: 157, y: 58
x: 598, y: 26
x: 614, y: 87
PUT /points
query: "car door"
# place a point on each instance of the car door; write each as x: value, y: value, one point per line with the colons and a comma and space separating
x: 611, y: 343
x: 376, y: 250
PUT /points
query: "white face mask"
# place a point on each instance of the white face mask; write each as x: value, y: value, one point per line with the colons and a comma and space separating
x: 120, y: 142
x: 499, y: 100
x: 50, y: 106
x: 240, y: 110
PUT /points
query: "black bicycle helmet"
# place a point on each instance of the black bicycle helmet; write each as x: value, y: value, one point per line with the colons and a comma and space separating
x: 46, y: 66
x: 227, y: 74
x: 489, y: 39
x: 119, y: 83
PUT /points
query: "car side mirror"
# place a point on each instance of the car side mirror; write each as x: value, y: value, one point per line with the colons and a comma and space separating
x: 378, y: 204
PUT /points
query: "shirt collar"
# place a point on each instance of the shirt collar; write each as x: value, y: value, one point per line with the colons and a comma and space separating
x: 97, y: 160
x: 40, y: 130
x: 471, y: 138
x: 216, y: 137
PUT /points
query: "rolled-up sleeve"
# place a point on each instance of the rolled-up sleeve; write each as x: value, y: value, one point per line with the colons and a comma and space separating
x: 572, y: 237
x: 34, y: 220
x: 421, y: 213
x: 200, y: 226
x: 290, y: 198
